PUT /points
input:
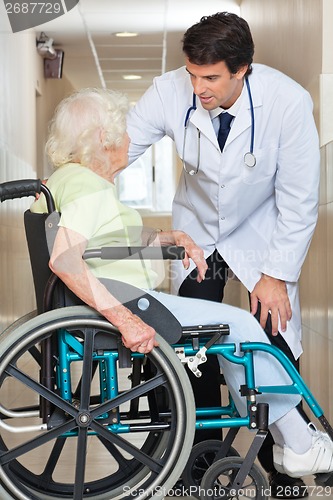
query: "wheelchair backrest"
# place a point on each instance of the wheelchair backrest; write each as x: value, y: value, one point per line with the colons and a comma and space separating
x: 38, y: 252
x: 39, y: 258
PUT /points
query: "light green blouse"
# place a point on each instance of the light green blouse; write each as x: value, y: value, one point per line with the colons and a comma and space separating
x: 89, y: 205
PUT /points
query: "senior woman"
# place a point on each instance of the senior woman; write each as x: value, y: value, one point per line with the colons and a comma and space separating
x: 88, y: 146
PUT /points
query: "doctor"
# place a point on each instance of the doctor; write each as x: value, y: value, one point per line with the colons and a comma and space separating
x: 251, y: 206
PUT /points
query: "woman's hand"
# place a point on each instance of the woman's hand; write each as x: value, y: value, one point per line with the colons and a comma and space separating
x: 192, y: 251
x: 137, y: 335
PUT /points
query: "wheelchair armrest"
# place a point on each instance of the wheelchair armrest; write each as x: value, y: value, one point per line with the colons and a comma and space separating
x: 152, y: 253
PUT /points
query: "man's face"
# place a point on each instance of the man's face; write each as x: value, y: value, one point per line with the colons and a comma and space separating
x: 214, y: 85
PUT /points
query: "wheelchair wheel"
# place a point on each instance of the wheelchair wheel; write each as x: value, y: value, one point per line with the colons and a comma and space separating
x: 112, y: 431
x: 217, y: 482
x: 201, y: 458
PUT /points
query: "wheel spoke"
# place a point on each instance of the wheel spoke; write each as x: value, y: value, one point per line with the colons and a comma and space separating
x: 130, y: 394
x: 127, y: 467
x: 81, y: 452
x: 36, y: 442
x: 77, y: 391
x: 36, y: 354
x: 41, y: 390
x: 46, y: 476
x: 87, y: 369
x: 138, y: 454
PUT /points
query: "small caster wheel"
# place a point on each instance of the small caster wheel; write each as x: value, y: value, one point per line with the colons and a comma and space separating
x: 217, y: 483
x: 201, y: 458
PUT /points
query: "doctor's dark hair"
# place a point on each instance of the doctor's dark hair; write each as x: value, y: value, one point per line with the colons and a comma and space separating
x: 221, y: 37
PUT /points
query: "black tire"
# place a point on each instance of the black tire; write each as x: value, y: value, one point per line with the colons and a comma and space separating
x: 201, y: 458
x: 141, y: 455
x: 218, y: 480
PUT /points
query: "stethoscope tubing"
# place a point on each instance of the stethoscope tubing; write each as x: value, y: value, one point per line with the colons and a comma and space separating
x: 249, y: 158
x: 252, y: 114
x: 190, y: 109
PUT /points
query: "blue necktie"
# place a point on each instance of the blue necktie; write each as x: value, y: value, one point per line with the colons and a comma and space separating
x: 225, y: 120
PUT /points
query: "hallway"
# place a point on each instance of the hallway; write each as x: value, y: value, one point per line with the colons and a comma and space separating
x: 294, y: 36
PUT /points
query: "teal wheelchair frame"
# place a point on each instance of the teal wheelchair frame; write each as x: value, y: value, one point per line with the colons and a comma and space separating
x: 103, y: 422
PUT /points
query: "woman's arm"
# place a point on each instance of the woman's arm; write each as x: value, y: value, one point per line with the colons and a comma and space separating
x: 192, y: 251
x: 67, y: 263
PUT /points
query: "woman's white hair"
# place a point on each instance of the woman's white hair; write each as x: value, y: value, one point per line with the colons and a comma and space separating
x: 84, y: 124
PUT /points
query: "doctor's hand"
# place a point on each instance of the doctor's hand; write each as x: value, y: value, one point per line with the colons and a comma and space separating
x: 273, y: 297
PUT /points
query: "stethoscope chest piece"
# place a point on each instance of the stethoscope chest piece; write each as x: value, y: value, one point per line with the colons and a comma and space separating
x: 249, y: 160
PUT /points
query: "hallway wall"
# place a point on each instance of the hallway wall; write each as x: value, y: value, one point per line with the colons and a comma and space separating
x: 22, y: 132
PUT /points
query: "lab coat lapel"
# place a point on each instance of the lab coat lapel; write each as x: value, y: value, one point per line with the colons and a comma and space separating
x: 243, y: 119
x: 201, y: 119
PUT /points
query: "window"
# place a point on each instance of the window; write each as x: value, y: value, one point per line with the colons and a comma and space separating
x: 149, y: 183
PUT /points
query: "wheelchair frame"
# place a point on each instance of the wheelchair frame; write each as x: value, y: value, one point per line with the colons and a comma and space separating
x: 158, y: 399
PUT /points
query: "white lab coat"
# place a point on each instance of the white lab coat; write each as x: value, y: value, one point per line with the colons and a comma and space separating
x: 261, y: 219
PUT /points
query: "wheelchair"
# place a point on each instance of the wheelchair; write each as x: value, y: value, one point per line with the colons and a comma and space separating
x: 82, y: 417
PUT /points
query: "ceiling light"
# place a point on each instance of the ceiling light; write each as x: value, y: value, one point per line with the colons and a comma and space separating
x: 126, y: 34
x: 132, y: 77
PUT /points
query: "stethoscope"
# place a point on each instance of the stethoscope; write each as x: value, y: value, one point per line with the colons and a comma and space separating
x: 249, y: 157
